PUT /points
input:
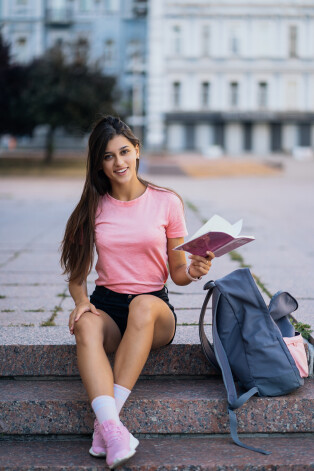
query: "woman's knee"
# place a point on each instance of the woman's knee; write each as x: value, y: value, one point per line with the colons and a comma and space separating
x: 87, y: 329
x: 141, y: 313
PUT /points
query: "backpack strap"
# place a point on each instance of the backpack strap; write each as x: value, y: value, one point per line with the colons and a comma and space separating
x: 207, y: 347
x: 234, y: 402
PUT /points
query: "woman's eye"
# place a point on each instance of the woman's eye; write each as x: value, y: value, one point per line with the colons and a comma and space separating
x: 124, y: 151
x: 107, y: 157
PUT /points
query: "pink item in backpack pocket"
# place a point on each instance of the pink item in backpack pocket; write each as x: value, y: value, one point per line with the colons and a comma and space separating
x: 296, y: 348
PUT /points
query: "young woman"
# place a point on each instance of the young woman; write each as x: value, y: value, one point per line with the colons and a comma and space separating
x: 134, y: 226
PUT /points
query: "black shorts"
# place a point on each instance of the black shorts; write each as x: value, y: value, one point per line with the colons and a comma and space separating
x: 116, y: 305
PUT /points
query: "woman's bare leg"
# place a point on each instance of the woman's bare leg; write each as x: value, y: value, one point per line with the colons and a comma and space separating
x: 150, y: 325
x: 94, y: 337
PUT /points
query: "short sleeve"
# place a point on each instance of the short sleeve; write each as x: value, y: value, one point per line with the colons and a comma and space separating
x: 176, y: 221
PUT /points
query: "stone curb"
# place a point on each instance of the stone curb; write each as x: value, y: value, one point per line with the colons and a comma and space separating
x: 167, y: 454
x: 158, y: 406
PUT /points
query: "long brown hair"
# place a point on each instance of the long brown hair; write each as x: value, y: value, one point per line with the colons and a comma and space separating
x: 77, y: 246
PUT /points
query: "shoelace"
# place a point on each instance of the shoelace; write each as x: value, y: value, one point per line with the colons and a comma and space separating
x: 115, y: 434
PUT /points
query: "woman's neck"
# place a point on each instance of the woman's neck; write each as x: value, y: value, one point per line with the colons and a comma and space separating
x: 123, y: 193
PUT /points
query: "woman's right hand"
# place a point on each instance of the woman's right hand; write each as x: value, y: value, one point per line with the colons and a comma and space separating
x: 84, y: 306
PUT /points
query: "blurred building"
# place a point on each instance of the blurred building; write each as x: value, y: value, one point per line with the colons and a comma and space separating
x: 235, y: 74
x: 194, y: 74
x: 111, y: 33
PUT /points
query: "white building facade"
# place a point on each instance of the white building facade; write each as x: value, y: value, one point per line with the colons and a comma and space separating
x: 239, y: 75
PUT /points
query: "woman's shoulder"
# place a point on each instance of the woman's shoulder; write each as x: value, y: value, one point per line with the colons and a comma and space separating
x: 163, y: 193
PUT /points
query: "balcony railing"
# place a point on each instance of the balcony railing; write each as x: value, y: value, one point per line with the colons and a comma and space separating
x: 59, y: 16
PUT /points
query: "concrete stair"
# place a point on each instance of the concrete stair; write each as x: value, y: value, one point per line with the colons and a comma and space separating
x: 177, y: 409
x: 162, y: 454
x: 27, y: 352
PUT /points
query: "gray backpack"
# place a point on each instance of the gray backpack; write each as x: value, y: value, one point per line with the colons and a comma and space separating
x: 247, y: 341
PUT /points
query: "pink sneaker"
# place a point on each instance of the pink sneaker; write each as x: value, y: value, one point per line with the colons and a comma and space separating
x: 98, y: 445
x: 119, y: 443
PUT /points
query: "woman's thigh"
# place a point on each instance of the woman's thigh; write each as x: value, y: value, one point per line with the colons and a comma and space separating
x: 147, y: 308
x: 103, y: 325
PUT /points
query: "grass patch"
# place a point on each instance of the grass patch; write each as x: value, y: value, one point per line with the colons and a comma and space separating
x: 237, y: 257
x: 2, y: 296
x: 261, y: 285
x: 21, y: 325
x: 7, y: 310
x: 191, y: 206
x: 51, y: 321
x: 304, y: 329
x: 188, y: 323
x: 35, y: 310
x: 48, y: 323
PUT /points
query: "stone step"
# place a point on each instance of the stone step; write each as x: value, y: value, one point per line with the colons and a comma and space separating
x: 177, y: 453
x: 51, y: 351
x: 154, y: 406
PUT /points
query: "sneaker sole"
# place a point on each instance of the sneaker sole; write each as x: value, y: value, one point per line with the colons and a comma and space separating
x: 120, y: 461
x: 133, y: 445
x: 97, y: 455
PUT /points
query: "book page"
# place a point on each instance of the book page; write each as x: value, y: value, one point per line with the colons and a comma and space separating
x: 219, y: 224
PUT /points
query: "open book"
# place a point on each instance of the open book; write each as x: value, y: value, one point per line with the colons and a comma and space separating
x: 218, y: 236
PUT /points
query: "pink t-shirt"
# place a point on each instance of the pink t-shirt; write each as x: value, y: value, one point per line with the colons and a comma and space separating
x: 131, y: 240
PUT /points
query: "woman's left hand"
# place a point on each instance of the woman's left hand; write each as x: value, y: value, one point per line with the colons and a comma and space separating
x: 200, y: 266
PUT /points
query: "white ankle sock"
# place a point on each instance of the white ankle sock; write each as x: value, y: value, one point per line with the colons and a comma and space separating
x: 120, y: 394
x: 105, y: 408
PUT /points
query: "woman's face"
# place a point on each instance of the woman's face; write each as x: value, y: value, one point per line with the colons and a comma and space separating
x: 119, y: 161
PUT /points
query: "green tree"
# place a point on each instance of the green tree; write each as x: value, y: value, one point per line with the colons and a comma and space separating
x: 66, y: 94
x: 14, y: 116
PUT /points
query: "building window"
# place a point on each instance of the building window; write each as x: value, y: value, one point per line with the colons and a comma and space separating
x: 81, y: 48
x: 234, y: 43
x: 293, y: 38
x: 304, y: 134
x: 109, y: 52
x: 112, y: 6
x: 135, y: 57
x: 234, y: 94
x: 177, y: 39
x: 85, y: 5
x: 21, y: 42
x: 219, y: 134
x: 262, y: 94
x: 134, y: 49
x: 291, y: 99
x: 247, y: 137
x: 205, y: 98
x: 176, y: 93
x: 59, y: 43
x: 205, y: 40
x: 139, y: 8
x: 21, y: 49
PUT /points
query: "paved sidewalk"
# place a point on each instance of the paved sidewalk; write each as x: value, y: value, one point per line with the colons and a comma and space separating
x: 277, y: 209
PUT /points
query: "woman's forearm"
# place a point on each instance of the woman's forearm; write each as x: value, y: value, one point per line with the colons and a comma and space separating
x: 179, y: 277
x: 78, y: 292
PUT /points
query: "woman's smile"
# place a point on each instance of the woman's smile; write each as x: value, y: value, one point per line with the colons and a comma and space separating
x: 121, y: 171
